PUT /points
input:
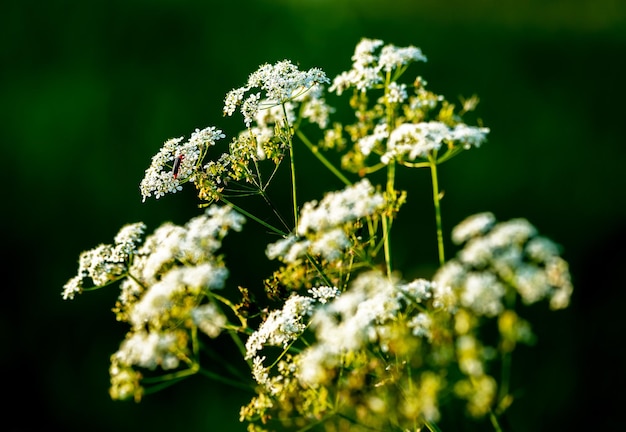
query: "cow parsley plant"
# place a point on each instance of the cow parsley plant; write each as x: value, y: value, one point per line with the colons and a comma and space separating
x: 336, y: 338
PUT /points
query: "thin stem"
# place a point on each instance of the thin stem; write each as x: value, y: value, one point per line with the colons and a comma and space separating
x: 293, y: 186
x: 436, y: 198
x: 174, y: 376
x: 274, y: 209
x: 293, y: 168
x: 224, y: 380
x: 431, y: 426
x: 319, y: 269
x: 391, y: 177
x: 234, y: 334
x: 494, y: 422
x: 314, y: 149
x: 229, y: 365
x: 253, y: 217
x: 386, y: 230
x: 387, y: 219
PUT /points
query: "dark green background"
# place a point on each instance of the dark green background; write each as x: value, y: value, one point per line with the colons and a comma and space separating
x: 90, y: 89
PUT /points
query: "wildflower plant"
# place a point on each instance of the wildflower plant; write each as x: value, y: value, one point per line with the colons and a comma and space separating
x: 339, y: 340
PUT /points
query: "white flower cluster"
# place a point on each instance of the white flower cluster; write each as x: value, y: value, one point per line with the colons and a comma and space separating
x: 149, y: 350
x: 320, y: 226
x: 173, y: 263
x: 105, y: 263
x: 368, y: 67
x: 497, y: 255
x: 410, y: 141
x: 160, y: 178
x: 171, y: 274
x: 279, y: 83
x: 340, y: 207
x: 358, y: 317
x: 283, y: 326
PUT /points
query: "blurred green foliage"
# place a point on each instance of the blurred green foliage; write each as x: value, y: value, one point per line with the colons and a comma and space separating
x: 90, y: 90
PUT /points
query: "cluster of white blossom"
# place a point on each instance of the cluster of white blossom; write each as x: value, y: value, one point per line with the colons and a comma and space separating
x: 358, y: 316
x: 168, y: 277
x: 149, y: 350
x: 176, y: 162
x: 496, y: 255
x: 278, y: 84
x: 283, y: 326
x: 378, y: 352
x: 368, y: 66
x: 320, y: 226
x: 340, y: 207
x: 410, y: 141
x: 105, y: 263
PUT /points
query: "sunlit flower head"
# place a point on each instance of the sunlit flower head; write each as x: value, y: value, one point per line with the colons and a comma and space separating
x: 275, y: 84
x: 176, y: 162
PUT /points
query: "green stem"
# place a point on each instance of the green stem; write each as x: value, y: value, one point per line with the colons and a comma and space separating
x: 240, y: 345
x: 314, y: 149
x: 387, y: 221
x: 436, y: 198
x: 234, y: 334
x: 174, y: 375
x: 253, y: 217
x: 274, y: 209
x: 431, y: 426
x: 319, y: 269
x: 494, y: 422
x: 289, y: 143
x: 293, y: 185
x: 224, y: 380
x: 386, y: 229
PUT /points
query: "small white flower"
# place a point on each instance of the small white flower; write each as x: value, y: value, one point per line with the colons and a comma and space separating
x: 419, y: 290
x: 397, y: 93
x: 324, y: 294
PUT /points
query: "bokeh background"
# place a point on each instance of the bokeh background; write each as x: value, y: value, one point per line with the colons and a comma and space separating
x: 89, y: 90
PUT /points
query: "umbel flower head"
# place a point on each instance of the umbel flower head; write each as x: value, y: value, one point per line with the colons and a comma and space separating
x: 160, y: 177
x: 165, y: 292
x: 387, y: 346
x: 496, y: 255
x: 397, y: 122
x: 277, y: 85
x: 370, y: 65
x: 322, y: 226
